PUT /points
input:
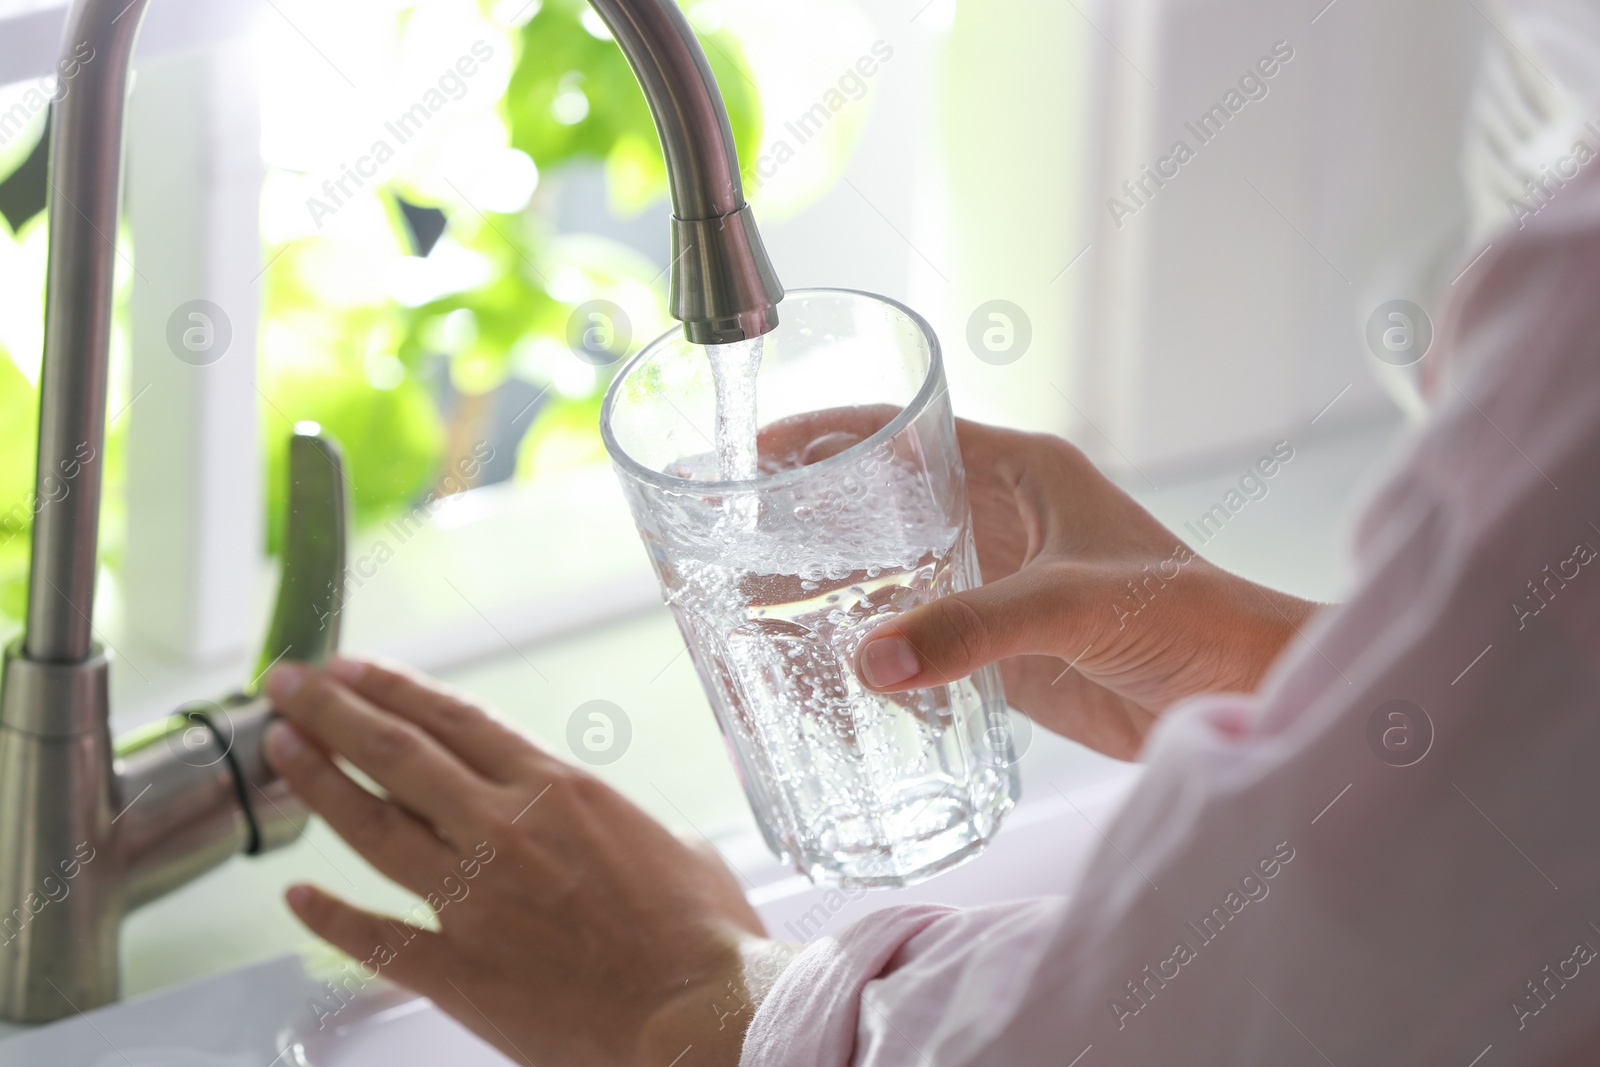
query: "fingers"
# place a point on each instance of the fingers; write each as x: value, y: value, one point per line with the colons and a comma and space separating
x: 408, y: 954
x: 482, y: 742
x: 416, y: 770
x: 390, y: 839
x: 955, y: 635
x: 789, y: 442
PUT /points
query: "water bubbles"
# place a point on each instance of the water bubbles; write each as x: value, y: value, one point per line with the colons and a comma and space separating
x: 804, y: 512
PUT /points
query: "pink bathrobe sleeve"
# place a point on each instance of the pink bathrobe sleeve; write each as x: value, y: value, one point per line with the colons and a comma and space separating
x: 1280, y: 891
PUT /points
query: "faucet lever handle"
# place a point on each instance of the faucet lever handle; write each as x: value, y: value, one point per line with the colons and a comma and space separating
x: 305, y: 621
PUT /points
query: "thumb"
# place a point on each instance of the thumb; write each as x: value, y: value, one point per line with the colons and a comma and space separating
x: 949, y: 638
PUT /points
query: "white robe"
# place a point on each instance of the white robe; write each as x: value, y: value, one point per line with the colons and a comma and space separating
x: 1445, y: 912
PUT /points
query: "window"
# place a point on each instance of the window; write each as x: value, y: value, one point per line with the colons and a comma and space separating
x: 440, y: 190
x: 400, y: 208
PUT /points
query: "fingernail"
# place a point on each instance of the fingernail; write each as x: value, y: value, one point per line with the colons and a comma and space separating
x: 348, y: 671
x: 888, y: 661
x: 299, y: 897
x: 284, y: 742
x: 285, y: 680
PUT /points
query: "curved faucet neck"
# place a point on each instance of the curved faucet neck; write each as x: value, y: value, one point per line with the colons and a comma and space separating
x: 690, y: 118
x: 723, y: 288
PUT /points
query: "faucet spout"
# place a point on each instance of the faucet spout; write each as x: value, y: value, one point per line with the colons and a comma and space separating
x: 722, y: 287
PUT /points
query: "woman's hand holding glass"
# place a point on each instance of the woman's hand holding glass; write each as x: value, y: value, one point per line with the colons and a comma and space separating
x: 1099, y: 616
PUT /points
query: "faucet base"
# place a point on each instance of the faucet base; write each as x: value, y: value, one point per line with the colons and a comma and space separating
x: 58, y: 923
x: 94, y: 828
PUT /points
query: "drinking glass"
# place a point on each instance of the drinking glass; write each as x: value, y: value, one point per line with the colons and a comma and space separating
x: 858, y: 513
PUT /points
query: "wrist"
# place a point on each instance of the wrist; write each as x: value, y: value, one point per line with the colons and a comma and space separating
x: 712, y: 1012
x: 1263, y: 623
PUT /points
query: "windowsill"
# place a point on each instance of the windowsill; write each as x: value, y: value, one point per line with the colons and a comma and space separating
x: 471, y: 582
x: 478, y: 579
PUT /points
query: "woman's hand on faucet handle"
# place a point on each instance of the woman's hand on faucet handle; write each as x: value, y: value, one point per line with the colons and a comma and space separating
x: 571, y: 927
x: 1098, y: 616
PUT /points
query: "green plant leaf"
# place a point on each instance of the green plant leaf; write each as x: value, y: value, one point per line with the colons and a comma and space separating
x: 392, y: 438
x: 19, y: 419
x: 573, y: 96
x: 337, y: 350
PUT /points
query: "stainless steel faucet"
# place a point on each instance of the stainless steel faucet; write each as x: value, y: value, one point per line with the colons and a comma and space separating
x: 91, y: 828
x: 722, y: 287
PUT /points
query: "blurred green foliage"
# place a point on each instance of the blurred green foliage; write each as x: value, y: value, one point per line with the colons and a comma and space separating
x: 337, y: 350
x: 563, y: 70
x: 362, y: 367
x: 334, y: 363
x: 22, y: 269
x: 19, y: 419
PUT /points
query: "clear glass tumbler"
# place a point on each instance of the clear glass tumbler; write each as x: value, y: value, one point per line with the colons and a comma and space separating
x: 859, y: 512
